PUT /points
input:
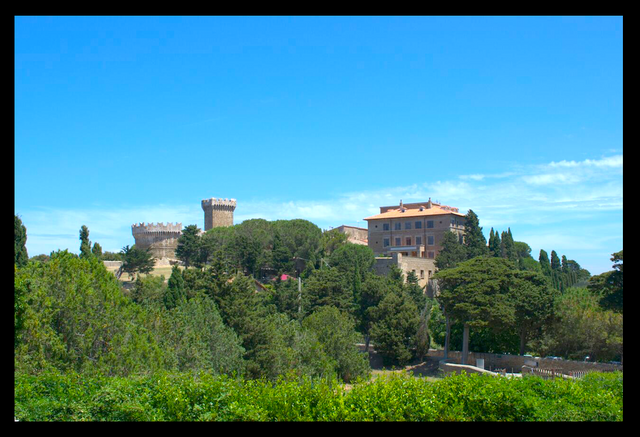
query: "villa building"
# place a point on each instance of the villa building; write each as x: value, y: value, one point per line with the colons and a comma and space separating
x: 410, y: 236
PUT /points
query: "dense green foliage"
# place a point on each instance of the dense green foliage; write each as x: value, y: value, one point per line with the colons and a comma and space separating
x: 581, y: 327
x: 533, y: 302
x: 77, y: 318
x: 71, y: 314
x: 213, y: 343
x: 608, y: 286
x: 203, y: 397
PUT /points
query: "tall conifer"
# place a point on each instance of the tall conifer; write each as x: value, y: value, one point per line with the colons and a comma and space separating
x: 21, y: 256
x: 85, y: 244
x: 474, y: 241
x: 494, y: 244
x: 545, y: 265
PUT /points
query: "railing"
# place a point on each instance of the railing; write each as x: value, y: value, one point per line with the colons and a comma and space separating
x: 556, y: 373
x: 543, y: 373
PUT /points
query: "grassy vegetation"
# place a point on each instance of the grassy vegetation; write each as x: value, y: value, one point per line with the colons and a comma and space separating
x: 188, y: 397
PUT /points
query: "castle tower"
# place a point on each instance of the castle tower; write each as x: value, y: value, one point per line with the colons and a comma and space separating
x: 218, y: 212
x: 160, y: 238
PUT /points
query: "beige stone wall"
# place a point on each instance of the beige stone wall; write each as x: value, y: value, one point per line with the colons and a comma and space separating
x: 423, y: 267
x: 354, y: 235
x: 160, y: 238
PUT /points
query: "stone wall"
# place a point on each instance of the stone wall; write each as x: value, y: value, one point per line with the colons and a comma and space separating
x: 160, y: 238
x: 514, y: 363
x: 112, y: 264
x: 423, y: 267
x: 355, y: 235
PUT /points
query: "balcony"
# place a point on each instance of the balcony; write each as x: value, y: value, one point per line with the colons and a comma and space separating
x: 413, y: 248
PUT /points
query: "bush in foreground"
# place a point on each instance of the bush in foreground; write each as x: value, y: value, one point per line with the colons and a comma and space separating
x: 203, y: 397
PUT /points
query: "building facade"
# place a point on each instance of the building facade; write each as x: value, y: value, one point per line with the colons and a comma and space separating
x: 413, y: 232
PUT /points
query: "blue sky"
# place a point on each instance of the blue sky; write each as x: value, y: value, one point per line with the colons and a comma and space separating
x: 121, y: 120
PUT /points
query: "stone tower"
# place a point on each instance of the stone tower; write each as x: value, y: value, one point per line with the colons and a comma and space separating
x: 160, y: 238
x: 218, y: 212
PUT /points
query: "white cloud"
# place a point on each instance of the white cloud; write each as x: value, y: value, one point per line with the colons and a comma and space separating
x: 611, y: 161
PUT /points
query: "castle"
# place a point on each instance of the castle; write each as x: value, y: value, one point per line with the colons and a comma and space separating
x: 162, y: 239
x: 406, y: 235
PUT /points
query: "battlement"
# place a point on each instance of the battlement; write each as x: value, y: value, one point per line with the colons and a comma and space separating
x: 142, y: 228
x: 218, y: 212
x: 219, y: 203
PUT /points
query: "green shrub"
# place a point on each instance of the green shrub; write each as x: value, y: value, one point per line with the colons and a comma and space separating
x: 53, y: 396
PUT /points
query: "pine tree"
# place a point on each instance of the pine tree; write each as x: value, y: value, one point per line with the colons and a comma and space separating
x: 136, y: 260
x: 189, y: 245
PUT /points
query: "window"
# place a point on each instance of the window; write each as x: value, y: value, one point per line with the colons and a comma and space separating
x: 407, y: 241
x: 430, y: 240
x: 385, y: 242
x: 385, y: 226
x: 421, y: 274
x: 398, y: 241
x: 429, y: 223
x: 398, y: 226
x: 418, y: 225
x: 407, y: 225
x: 418, y: 241
x: 430, y: 254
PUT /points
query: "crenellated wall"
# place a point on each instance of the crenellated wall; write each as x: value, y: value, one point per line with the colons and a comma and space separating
x: 160, y: 238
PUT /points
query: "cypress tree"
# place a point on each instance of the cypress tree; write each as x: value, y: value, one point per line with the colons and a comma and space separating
x: 545, y: 265
x: 474, y: 241
x: 97, y: 250
x: 494, y: 244
x: 85, y: 244
x: 21, y: 257
x: 555, y: 261
x: 452, y: 252
x: 175, y: 292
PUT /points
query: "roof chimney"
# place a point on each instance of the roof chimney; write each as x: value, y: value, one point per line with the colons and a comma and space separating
x: 429, y: 203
